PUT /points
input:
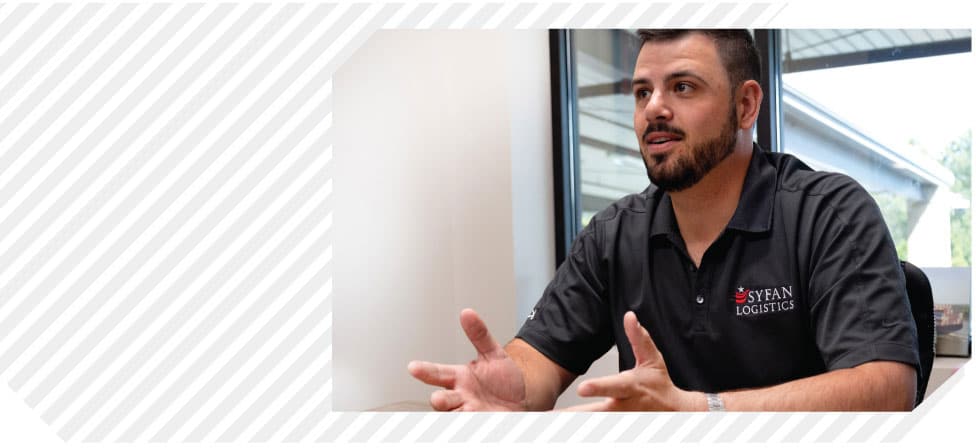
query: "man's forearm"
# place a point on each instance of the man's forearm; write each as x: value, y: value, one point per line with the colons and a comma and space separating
x: 544, y: 379
x: 873, y: 386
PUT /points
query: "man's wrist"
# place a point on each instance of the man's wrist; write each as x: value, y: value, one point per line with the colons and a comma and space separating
x: 715, y: 403
x: 693, y: 401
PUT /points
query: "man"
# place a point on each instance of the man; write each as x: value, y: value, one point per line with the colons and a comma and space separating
x: 739, y: 280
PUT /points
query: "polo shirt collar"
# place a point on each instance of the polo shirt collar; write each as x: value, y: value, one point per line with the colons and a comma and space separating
x: 663, y: 221
x: 754, y: 212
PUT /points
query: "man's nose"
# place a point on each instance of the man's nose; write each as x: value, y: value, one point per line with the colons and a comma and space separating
x: 657, y: 107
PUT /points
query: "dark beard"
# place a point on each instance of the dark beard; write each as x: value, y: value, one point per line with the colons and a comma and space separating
x: 691, y: 167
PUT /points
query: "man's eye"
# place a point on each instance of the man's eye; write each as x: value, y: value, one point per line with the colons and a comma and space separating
x: 683, y: 87
x: 642, y: 93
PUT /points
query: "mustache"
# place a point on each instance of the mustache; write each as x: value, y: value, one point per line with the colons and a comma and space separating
x: 662, y: 127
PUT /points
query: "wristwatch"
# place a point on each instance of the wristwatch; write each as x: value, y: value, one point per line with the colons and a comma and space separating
x: 715, y: 403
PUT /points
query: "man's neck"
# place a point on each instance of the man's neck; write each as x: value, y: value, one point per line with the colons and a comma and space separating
x: 703, y: 210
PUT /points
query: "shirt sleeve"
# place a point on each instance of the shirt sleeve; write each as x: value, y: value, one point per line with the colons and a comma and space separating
x: 570, y: 324
x: 859, y: 306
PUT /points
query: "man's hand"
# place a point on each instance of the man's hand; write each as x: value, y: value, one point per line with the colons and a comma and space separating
x: 492, y: 382
x: 646, y: 387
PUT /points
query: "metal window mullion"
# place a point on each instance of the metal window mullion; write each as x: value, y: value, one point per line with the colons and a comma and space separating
x: 565, y: 141
x: 769, y: 128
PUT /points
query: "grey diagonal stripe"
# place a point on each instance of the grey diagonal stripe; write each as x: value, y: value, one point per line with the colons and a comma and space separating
x: 50, y: 80
x: 869, y: 428
x: 550, y: 15
x: 905, y: 423
x: 291, y: 407
x: 363, y: 419
x: 337, y: 427
x: 318, y: 413
x: 750, y: 15
x: 596, y: 433
x: 618, y: 14
x: 370, y: 427
x: 570, y: 427
x: 61, y: 171
x: 78, y: 85
x: 97, y: 135
x: 502, y: 428
x: 19, y: 215
x: 631, y: 432
x: 358, y: 38
x: 650, y: 15
x: 300, y: 398
x: 469, y: 428
x: 480, y: 18
x: 238, y: 326
x: 135, y: 196
x: 713, y: 18
x: 450, y: 15
x: 176, y: 223
x: 909, y: 420
x: 69, y: 330
x: 59, y: 76
x: 410, y: 421
x: 543, y: 421
x: 284, y: 313
x: 739, y: 422
x: 66, y: 264
x: 670, y: 426
x: 516, y: 15
x: 20, y: 46
x: 683, y: 16
x: 11, y: 221
x: 583, y: 15
x: 125, y: 407
x: 437, y: 426
x: 30, y: 69
x: 706, y: 425
x: 416, y: 16
x: 803, y: 427
x: 775, y: 422
x: 840, y: 422
x: 307, y: 326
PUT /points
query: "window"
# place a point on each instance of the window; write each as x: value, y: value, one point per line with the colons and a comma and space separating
x: 891, y: 108
x: 888, y: 108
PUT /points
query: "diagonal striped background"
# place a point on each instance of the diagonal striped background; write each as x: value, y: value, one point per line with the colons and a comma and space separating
x: 165, y: 181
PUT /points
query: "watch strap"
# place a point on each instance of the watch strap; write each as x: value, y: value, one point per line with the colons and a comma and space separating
x: 715, y: 403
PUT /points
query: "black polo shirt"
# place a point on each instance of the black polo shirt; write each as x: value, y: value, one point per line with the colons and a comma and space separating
x: 804, y: 279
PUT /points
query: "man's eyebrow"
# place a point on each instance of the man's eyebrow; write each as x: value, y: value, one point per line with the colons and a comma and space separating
x: 679, y: 74
x: 686, y: 74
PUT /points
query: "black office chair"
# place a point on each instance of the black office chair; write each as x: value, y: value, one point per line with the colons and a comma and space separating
x: 923, y: 310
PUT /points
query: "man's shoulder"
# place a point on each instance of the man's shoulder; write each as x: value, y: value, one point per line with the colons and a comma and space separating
x: 823, y: 194
x: 795, y: 176
x: 632, y: 204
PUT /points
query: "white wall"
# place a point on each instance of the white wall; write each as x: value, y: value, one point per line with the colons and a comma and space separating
x: 443, y: 200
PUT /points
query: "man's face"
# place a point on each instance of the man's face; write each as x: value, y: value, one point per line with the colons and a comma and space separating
x: 685, y: 116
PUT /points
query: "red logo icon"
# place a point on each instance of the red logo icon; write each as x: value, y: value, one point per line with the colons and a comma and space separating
x: 741, y: 294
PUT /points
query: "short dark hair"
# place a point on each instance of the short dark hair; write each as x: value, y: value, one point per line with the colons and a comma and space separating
x: 735, y: 46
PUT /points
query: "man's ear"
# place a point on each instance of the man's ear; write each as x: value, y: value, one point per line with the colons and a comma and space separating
x: 748, y: 99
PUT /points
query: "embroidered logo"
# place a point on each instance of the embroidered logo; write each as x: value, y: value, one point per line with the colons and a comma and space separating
x: 754, y: 302
x: 741, y: 294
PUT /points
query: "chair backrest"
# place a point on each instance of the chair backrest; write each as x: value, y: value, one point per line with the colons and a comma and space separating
x: 923, y: 310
